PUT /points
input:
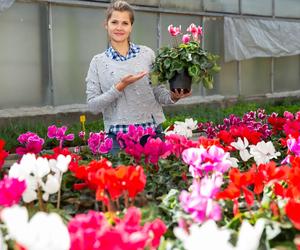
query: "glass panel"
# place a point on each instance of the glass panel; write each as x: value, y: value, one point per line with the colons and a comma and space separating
x: 145, y: 29
x: 176, y: 20
x: 20, y: 56
x: 225, y: 82
x: 255, y: 76
x: 287, y: 73
x: 194, y: 5
x: 221, y: 5
x: 257, y: 7
x: 78, y: 35
x: 287, y: 8
x: 144, y: 3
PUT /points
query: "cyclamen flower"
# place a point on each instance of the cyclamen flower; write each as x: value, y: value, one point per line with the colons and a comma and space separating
x: 42, y: 231
x: 32, y: 142
x: 184, y: 128
x: 200, y: 202
x: 263, y: 152
x: 99, y: 143
x: 242, y: 145
x: 203, y: 160
x: 93, y: 231
x: 59, y: 134
x: 209, y: 236
x: 174, y: 31
x: 3, y: 153
x: 186, y: 38
x: 294, y: 145
x: 11, y: 190
x: 34, y: 171
x: 196, y: 31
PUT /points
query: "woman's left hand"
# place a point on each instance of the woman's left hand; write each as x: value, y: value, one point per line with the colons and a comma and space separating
x: 175, y: 96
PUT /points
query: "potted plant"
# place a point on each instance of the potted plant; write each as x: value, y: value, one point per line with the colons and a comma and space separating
x: 184, y: 63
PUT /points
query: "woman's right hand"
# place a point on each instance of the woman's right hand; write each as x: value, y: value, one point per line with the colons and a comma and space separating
x: 129, y: 79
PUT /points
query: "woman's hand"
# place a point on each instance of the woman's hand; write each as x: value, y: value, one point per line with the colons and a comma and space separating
x: 129, y: 79
x: 175, y: 96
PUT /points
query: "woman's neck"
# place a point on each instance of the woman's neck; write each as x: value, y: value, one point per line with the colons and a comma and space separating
x: 122, y: 48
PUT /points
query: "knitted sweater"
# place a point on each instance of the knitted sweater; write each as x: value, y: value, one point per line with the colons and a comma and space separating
x: 137, y: 103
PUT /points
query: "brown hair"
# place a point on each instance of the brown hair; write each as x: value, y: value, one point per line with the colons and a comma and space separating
x: 120, y: 5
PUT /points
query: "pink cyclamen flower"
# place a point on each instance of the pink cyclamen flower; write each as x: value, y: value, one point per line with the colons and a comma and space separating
x: 174, y: 31
x: 294, y: 145
x: 11, y: 190
x: 59, y: 134
x: 288, y: 115
x: 200, y: 202
x: 196, y: 31
x: 99, y: 143
x: 32, y: 142
x: 186, y: 38
x: 81, y: 135
x: 203, y: 160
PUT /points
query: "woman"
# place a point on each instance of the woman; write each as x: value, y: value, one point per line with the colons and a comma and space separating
x: 118, y: 83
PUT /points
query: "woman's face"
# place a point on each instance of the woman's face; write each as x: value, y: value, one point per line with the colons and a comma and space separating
x: 119, y: 26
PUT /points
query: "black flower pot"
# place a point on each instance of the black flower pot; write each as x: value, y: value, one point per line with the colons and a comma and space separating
x: 181, y: 81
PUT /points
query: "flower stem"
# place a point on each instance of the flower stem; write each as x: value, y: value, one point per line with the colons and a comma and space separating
x: 59, y: 194
x: 40, y: 200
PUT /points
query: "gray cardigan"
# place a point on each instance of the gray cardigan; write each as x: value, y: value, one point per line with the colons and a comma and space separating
x: 137, y: 103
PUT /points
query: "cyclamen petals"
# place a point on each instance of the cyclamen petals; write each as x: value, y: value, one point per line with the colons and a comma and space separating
x: 11, y: 190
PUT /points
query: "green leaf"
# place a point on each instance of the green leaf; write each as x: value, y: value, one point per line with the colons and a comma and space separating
x: 167, y: 63
x: 194, y: 70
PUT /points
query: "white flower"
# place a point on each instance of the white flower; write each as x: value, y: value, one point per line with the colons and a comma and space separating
x: 43, y: 231
x: 234, y: 161
x: 63, y: 162
x: 38, y: 172
x: 184, y: 128
x: 249, y: 236
x: 263, y: 152
x: 207, y: 236
x: 242, y: 147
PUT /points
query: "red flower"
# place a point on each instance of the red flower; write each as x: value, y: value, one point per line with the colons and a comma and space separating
x: 292, y: 209
x: 277, y: 123
x: 3, y: 153
x: 238, y: 185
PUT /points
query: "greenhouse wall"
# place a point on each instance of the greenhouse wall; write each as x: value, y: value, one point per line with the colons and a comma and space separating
x: 46, y: 47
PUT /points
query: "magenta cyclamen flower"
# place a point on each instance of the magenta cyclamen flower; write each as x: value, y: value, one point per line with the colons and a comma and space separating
x: 59, y: 134
x: 99, y: 143
x: 11, y: 190
x: 294, y: 145
x: 32, y: 142
x: 203, y: 160
x: 92, y: 231
x: 200, y: 202
x: 156, y: 148
x: 186, y: 38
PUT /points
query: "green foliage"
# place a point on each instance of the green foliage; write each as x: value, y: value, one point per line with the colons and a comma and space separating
x: 200, y: 64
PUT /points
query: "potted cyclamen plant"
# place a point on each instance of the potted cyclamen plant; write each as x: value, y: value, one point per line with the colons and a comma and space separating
x: 186, y: 62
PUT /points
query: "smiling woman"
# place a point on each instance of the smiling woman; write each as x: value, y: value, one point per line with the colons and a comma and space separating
x: 117, y: 81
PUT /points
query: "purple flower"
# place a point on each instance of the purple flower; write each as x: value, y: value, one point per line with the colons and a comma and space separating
x: 59, y: 134
x: 294, y: 145
x: 98, y: 143
x: 32, y: 142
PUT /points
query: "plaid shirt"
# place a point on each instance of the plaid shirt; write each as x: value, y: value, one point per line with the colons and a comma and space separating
x: 115, y: 55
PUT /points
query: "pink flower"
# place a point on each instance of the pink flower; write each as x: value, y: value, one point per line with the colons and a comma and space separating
x: 156, y: 229
x: 200, y: 202
x: 59, y: 134
x: 99, y: 143
x: 294, y: 145
x: 288, y: 115
x: 11, y: 190
x: 155, y: 149
x: 186, y: 38
x: 203, y: 160
x: 174, y: 31
x: 32, y: 142
x: 81, y: 135
x: 196, y: 31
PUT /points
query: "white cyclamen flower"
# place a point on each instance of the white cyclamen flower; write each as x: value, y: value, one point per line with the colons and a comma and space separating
x: 263, y: 152
x: 43, y: 231
x: 242, y: 145
x: 207, y: 236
